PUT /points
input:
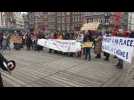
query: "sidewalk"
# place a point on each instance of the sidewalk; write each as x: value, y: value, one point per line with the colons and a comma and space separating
x: 41, y: 69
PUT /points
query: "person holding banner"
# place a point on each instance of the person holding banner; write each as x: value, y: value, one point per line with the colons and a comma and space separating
x: 120, y: 61
x: 79, y: 38
x: 107, y: 55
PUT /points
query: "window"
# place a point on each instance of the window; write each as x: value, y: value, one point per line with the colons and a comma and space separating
x: 63, y: 26
x: 59, y: 28
x: 78, y: 18
x: 91, y: 19
x: 58, y: 13
x: 73, y: 19
x: 68, y: 19
x: 59, y: 19
x: 68, y: 13
x: 68, y: 27
x: 63, y: 19
x: 63, y: 14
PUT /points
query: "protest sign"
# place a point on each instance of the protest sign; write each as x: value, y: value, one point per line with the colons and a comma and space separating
x: 122, y: 47
x: 60, y: 45
x: 87, y: 45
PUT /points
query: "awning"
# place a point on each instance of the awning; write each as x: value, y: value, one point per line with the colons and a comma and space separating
x: 90, y: 26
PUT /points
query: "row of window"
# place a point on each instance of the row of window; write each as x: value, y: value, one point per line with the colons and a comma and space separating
x: 63, y: 13
x: 76, y: 18
x: 63, y: 28
x: 76, y: 12
x: 99, y: 20
x: 63, y: 19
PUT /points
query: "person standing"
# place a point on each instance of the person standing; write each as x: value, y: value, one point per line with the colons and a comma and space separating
x: 4, y: 42
x: 8, y: 41
x: 107, y: 55
x: 1, y: 39
x: 79, y: 38
x: 119, y: 64
x: 88, y: 39
x: 28, y: 41
x: 98, y: 44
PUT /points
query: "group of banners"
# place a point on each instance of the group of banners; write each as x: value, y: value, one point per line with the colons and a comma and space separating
x: 121, y: 47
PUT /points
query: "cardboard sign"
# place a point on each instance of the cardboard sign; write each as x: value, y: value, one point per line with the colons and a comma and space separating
x: 87, y: 45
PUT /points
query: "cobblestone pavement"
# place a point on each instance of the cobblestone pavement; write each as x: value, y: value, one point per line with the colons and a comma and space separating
x: 41, y: 69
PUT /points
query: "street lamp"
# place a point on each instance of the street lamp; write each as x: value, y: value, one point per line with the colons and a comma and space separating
x: 107, y: 17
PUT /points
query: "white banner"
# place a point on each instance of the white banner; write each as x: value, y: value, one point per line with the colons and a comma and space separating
x: 60, y: 45
x: 123, y: 48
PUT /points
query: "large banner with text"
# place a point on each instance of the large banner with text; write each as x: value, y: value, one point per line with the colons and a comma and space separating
x: 122, y: 47
x: 60, y: 45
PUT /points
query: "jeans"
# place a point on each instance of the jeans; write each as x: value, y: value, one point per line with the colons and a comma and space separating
x: 88, y: 53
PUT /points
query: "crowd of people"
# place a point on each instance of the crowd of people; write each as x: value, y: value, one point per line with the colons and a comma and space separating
x: 29, y: 40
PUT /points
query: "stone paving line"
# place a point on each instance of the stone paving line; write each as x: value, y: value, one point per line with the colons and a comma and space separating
x: 57, y: 71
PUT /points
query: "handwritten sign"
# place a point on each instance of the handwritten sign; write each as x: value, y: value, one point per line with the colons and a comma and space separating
x: 60, y: 45
x: 122, y: 47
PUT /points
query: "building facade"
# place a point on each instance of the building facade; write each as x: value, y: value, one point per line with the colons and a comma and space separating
x: 77, y: 21
x: 7, y: 21
x: 104, y: 18
x: 63, y: 21
x: 68, y: 21
x: 131, y: 21
x: 19, y: 21
x: 52, y: 22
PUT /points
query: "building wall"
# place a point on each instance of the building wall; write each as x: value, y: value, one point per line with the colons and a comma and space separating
x: 19, y: 20
x: 131, y: 21
x: 52, y: 21
x: 104, y: 18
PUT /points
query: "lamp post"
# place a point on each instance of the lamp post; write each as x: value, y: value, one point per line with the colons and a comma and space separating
x: 107, y: 16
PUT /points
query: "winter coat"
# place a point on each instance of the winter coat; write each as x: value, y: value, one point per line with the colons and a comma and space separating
x: 98, y: 45
x: 131, y: 35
